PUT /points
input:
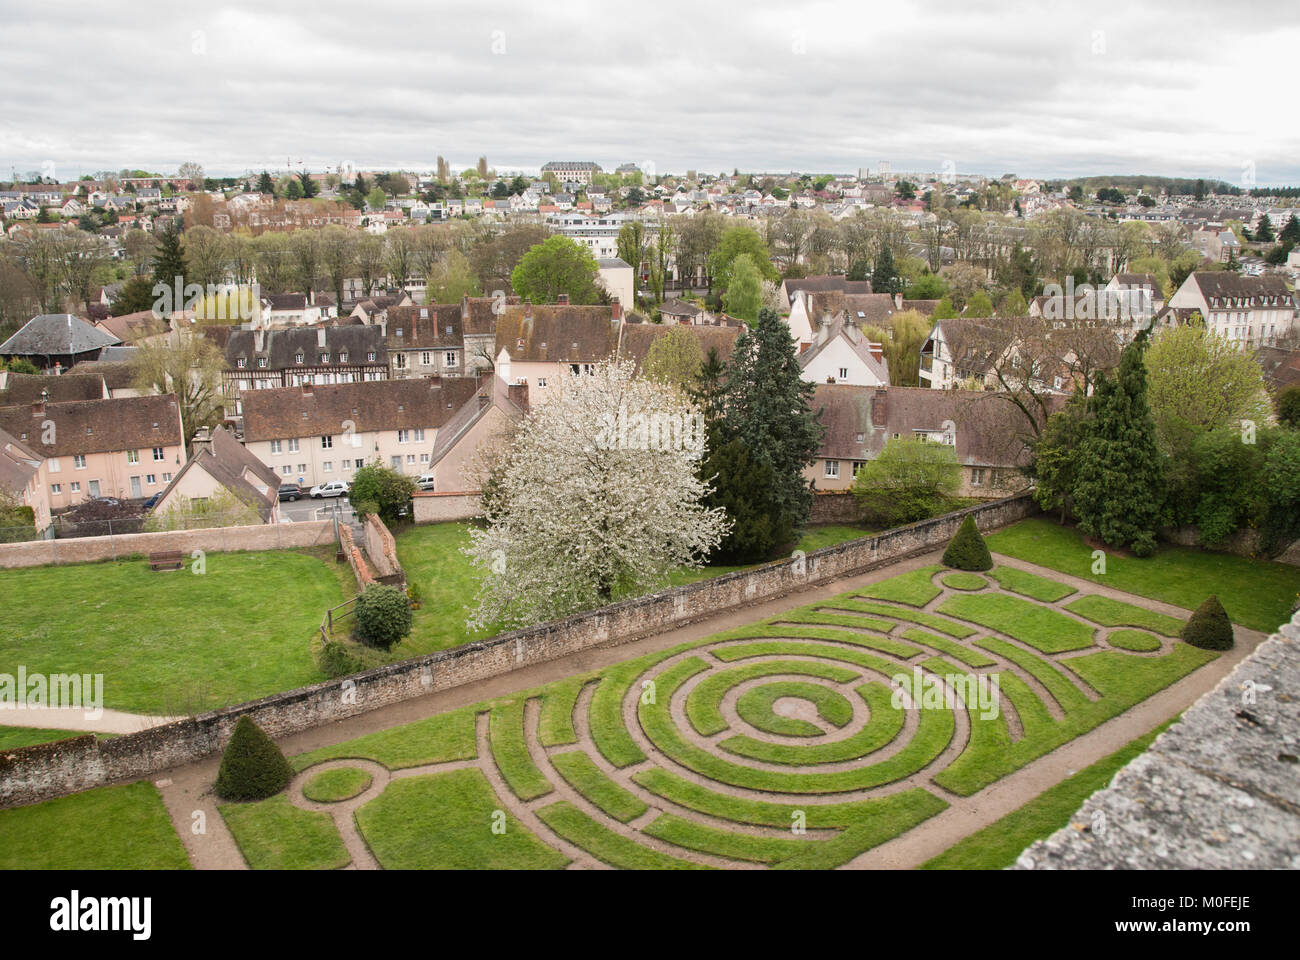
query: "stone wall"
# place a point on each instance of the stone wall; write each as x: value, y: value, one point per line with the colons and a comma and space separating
x: 432, y: 507
x: 269, y: 536
x: 834, y: 506
x: 1218, y: 790
x: 356, y: 560
x: 382, y: 551
x: 1243, y: 543
x: 38, y: 773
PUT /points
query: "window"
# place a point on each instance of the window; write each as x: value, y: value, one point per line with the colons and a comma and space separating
x: 327, y: 466
x: 297, y: 357
x: 133, y: 456
x: 832, y: 468
x: 397, y: 462
x: 324, y: 358
x: 287, y: 469
x: 399, y: 331
x: 861, y: 437
x: 240, y: 363
x: 858, y: 465
x: 343, y: 356
x: 302, y: 468
x: 977, y: 476
x: 157, y: 453
x: 419, y: 435
x: 151, y: 479
x: 410, y: 458
x: 347, y: 465
x: 74, y: 488
x: 403, y: 436
x: 370, y: 357
x: 844, y: 373
x: 54, y: 465
x: 293, y: 445
x: 424, y: 458
x: 326, y: 442
x: 449, y: 358
x: 426, y: 358
x: 541, y: 382
x: 399, y: 361
x: 261, y: 363
x: 56, y: 488
x: 275, y: 446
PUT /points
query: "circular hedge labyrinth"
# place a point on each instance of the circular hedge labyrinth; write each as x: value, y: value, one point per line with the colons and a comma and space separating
x: 800, y: 741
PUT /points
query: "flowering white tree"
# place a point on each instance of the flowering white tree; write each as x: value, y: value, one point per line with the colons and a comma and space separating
x: 597, y: 497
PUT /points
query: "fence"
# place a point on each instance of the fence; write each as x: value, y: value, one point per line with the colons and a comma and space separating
x: 333, y: 616
x: 49, y: 770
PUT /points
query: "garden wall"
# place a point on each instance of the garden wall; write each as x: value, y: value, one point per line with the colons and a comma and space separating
x: 432, y: 507
x: 37, y: 773
x: 268, y: 536
x: 382, y: 551
x: 834, y: 506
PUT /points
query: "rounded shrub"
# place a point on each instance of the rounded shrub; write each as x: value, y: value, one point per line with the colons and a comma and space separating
x: 1209, y: 627
x: 383, y: 615
x: 252, y: 768
x: 967, y: 549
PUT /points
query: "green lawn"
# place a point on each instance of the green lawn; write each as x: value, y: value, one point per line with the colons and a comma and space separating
x: 172, y: 642
x: 1000, y: 843
x: 450, y: 821
x: 336, y: 784
x: 1257, y: 594
x: 13, y: 737
x: 275, y: 835
x: 431, y: 556
x: 108, y: 828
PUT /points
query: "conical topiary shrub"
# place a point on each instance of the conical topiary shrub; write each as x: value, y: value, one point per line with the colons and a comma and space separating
x: 1209, y: 628
x: 967, y: 549
x: 252, y: 768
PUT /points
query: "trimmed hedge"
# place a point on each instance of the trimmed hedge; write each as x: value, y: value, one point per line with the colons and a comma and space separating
x: 967, y: 549
x: 383, y: 615
x: 252, y: 768
x: 1209, y: 627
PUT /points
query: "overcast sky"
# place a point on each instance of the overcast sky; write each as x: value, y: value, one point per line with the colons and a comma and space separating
x: 1192, y: 88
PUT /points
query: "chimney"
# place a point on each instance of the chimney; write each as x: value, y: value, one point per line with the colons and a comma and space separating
x: 528, y: 309
x: 259, y: 340
x: 320, y: 337
x: 616, y: 310
x: 464, y: 309
x: 898, y: 301
x: 38, y: 408
x: 824, y: 328
x: 202, y: 440
x: 562, y: 299
x: 383, y: 329
x: 880, y: 407
x: 519, y: 395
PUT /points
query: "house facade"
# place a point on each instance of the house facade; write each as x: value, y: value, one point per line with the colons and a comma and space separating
x: 1248, y: 311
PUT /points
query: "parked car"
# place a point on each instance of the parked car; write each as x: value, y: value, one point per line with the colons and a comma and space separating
x: 424, y: 481
x: 151, y: 502
x: 335, y: 488
x: 290, y: 492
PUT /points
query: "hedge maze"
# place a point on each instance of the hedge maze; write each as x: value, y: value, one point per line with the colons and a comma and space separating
x: 800, y: 741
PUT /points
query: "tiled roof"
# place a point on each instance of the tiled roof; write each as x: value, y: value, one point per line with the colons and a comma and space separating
x: 97, y: 426
x: 281, y: 347
x: 370, y: 406
x: 557, y: 333
x: 27, y: 387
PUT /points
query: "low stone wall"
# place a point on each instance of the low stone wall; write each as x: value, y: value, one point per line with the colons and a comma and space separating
x: 382, y: 551
x: 37, y: 773
x: 433, y: 507
x: 1242, y: 543
x: 268, y: 536
x: 356, y: 560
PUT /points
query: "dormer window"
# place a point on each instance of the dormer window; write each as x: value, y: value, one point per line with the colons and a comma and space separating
x: 261, y: 363
x: 324, y: 358
x: 370, y: 356
x: 399, y: 331
x: 297, y: 357
x: 240, y: 363
x: 343, y: 357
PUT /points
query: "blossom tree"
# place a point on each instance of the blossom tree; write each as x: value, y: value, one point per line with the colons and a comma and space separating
x: 596, y: 498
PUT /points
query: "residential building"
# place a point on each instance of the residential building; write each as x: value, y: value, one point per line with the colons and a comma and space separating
x: 1249, y: 311
x: 572, y: 171
x: 841, y: 352
x: 989, y: 435
x: 313, y: 434
x: 20, y: 478
x: 464, y: 442
x: 261, y: 359
x: 128, y: 447
x: 222, y: 464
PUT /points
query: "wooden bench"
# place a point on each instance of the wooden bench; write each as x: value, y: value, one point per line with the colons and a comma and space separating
x: 167, y: 560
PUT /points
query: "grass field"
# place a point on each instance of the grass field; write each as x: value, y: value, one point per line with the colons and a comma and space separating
x: 1256, y: 593
x: 14, y: 737
x: 172, y: 643
x: 108, y: 828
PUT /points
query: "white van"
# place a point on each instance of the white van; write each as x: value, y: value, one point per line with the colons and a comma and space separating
x: 424, y: 481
